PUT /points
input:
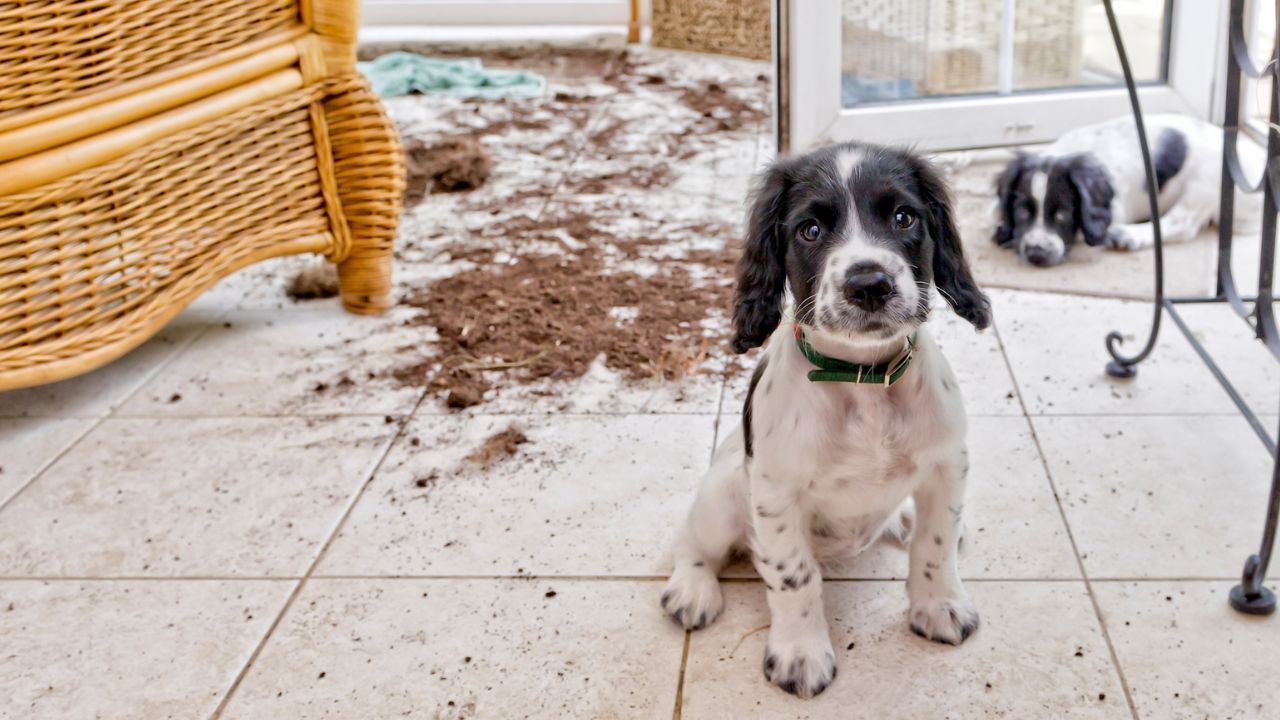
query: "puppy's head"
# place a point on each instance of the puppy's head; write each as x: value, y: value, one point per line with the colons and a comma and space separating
x: 1046, y: 203
x: 859, y: 234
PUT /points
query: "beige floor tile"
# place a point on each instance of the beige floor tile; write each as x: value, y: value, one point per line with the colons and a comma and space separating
x: 1039, y: 654
x: 1247, y: 363
x: 128, y: 649
x: 1013, y: 527
x: 1056, y: 346
x: 1159, y: 496
x: 208, y: 497
x: 467, y: 649
x: 584, y: 496
x: 29, y: 444
x: 1187, y: 655
x: 294, y: 361
x: 94, y: 394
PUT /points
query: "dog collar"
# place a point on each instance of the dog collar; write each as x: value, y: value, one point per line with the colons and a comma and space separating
x: 836, y: 370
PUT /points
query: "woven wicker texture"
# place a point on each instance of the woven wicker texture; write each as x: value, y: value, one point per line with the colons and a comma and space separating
x: 91, y: 260
x: 728, y: 27
x: 952, y: 46
x: 55, y: 49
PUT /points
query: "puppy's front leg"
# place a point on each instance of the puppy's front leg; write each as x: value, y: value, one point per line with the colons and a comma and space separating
x: 799, y: 658
x: 940, y: 608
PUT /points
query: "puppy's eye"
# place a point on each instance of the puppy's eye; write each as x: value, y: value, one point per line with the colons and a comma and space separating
x: 904, y: 218
x: 809, y: 232
x: 1022, y: 212
x: 1062, y: 216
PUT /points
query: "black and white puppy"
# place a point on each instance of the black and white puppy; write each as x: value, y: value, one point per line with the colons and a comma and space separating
x: 817, y: 470
x: 1090, y: 184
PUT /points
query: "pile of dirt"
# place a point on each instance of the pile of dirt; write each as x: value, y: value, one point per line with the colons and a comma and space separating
x: 450, y: 164
x: 497, y: 447
x: 551, y: 316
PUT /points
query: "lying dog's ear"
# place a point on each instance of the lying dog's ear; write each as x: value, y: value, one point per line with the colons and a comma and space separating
x: 1006, y: 185
x: 762, y: 276
x: 951, y: 273
x: 1093, y: 197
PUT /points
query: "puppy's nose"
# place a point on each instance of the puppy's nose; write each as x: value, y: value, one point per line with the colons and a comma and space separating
x: 1038, y: 256
x: 868, y: 287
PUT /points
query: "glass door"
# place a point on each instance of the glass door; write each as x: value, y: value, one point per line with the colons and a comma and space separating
x: 951, y: 74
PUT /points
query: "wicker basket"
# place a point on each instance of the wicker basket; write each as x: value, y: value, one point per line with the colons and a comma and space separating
x: 945, y: 47
x: 134, y: 178
x: 728, y: 27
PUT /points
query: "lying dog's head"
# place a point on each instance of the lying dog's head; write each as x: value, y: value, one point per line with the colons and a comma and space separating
x: 859, y: 233
x: 1045, y: 203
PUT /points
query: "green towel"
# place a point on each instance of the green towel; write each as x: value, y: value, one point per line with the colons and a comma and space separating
x: 402, y: 73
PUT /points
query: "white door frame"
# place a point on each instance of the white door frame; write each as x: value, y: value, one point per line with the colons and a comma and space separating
x: 808, y: 56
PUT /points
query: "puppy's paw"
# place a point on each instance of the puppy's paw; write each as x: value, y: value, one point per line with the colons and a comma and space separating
x: 803, y: 666
x: 1121, y: 239
x: 943, y: 619
x: 692, y: 597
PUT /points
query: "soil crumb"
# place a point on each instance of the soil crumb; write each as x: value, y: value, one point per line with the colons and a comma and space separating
x: 451, y: 164
x: 314, y: 282
x: 498, y: 447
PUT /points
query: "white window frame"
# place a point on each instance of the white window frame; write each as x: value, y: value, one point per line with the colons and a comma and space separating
x: 808, y: 53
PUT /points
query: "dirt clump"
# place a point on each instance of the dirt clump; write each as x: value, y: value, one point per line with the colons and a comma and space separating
x: 450, y: 164
x: 314, y: 282
x: 498, y: 447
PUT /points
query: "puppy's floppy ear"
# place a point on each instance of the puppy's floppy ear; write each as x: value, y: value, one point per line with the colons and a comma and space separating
x: 1093, y: 197
x: 1006, y: 183
x: 951, y: 273
x: 762, y: 276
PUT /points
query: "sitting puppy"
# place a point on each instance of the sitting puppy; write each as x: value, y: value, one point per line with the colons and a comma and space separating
x: 852, y: 410
x: 1091, y: 184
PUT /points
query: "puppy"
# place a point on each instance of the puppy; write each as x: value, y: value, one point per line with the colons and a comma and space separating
x: 852, y: 411
x: 1090, y: 184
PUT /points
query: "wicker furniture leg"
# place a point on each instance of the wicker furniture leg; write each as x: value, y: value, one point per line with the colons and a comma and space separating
x: 368, y: 179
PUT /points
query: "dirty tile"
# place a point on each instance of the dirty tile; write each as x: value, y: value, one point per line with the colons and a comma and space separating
x: 199, y: 497
x: 1056, y: 345
x: 299, y: 361
x: 583, y: 496
x: 1013, y: 528
x: 1187, y: 655
x: 95, y: 393
x: 128, y: 649
x: 27, y: 445
x: 1159, y: 496
x: 1017, y: 665
x: 467, y: 648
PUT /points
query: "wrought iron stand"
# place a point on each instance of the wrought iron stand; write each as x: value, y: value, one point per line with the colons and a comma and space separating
x: 1249, y: 596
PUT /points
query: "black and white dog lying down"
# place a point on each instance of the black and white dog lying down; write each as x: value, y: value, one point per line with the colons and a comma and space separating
x: 853, y: 426
x: 1090, y: 184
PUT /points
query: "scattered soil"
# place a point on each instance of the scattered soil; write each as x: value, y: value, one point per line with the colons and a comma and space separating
x: 316, y: 281
x: 541, y: 298
x: 498, y: 447
x: 451, y: 164
x: 551, y: 316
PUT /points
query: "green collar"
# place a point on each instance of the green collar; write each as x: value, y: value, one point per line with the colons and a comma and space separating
x: 834, y: 370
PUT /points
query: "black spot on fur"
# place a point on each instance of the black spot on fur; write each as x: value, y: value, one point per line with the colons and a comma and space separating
x: 699, y: 564
x: 782, y: 527
x: 937, y: 539
x: 1169, y: 157
x: 928, y: 575
x: 746, y: 406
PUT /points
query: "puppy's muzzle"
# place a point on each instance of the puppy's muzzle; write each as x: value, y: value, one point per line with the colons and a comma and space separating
x: 868, y: 287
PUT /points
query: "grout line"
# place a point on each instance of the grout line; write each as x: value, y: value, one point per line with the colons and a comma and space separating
x: 315, y: 562
x: 745, y: 579
x: 684, y: 663
x: 1075, y: 548
x: 98, y: 420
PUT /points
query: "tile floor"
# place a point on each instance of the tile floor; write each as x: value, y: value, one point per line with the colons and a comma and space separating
x: 196, y: 531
